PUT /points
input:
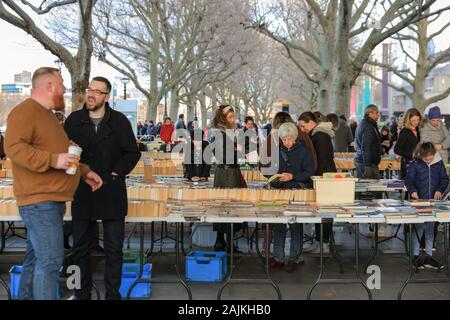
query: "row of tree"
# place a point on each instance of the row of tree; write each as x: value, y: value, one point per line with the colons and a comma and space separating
x: 244, y: 52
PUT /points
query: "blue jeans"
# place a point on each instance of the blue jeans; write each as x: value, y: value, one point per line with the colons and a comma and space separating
x: 279, y: 241
x: 428, y: 228
x: 45, y: 250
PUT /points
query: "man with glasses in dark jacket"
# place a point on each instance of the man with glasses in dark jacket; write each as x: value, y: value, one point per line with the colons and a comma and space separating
x: 110, y: 148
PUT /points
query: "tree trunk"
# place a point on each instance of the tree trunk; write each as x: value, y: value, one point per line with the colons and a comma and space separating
x: 174, y: 104
x: 340, y: 101
x: 203, y: 112
x: 190, y: 108
x: 418, y: 98
x: 152, y: 109
x: 79, y: 84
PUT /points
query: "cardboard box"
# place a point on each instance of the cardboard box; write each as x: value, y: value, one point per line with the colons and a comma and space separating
x: 334, y: 191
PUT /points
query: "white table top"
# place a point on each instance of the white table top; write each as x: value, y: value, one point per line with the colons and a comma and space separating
x: 264, y: 220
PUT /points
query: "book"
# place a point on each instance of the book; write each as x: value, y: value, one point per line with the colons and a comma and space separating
x: 267, y: 213
x: 426, y: 209
x: 396, y: 185
x: 275, y: 178
x: 335, y: 175
x: 420, y: 203
x: 299, y: 213
x: 343, y: 215
x: 326, y: 215
x: 441, y: 213
x: 424, y: 214
x: 407, y: 216
x: 392, y: 214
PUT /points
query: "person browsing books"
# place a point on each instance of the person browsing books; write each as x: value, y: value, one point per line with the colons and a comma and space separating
x: 295, y: 168
x: 426, y: 178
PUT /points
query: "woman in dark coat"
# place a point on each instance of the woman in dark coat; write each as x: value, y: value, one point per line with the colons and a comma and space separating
x: 408, y: 139
x: 227, y: 174
x: 321, y: 133
x: 196, y: 166
x: 279, y: 119
x: 296, y: 167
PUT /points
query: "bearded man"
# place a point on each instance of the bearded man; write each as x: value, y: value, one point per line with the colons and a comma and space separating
x: 37, y: 146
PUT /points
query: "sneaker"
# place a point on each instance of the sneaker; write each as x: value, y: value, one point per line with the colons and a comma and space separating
x: 431, y: 263
x: 300, y: 260
x: 73, y: 297
x: 418, y: 263
x: 312, y: 247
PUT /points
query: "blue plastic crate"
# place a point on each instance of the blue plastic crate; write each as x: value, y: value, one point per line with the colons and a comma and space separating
x: 15, y: 274
x: 130, y: 272
x: 206, y: 266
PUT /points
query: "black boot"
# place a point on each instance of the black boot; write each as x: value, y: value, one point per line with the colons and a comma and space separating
x: 220, y: 244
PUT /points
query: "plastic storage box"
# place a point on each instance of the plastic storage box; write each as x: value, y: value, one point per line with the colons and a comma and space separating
x: 130, y: 256
x: 130, y: 272
x: 15, y: 274
x: 206, y: 266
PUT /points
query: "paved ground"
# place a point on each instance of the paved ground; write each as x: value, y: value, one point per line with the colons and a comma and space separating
x: 392, y: 261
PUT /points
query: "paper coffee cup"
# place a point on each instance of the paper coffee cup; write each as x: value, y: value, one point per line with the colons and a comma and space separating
x: 72, y: 169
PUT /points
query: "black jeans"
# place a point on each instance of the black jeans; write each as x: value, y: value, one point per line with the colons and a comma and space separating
x: 84, y: 233
x: 327, y: 229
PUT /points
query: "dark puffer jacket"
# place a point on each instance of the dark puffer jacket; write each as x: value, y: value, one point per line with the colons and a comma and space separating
x: 426, y: 179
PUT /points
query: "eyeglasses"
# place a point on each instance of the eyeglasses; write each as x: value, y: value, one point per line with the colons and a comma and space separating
x: 96, y: 92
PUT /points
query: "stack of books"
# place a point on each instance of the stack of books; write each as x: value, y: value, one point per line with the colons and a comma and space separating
x: 442, y: 213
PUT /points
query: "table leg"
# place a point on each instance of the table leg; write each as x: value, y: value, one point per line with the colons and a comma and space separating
x: 5, y: 285
x: 411, y: 266
x: 177, y: 267
x: 356, y: 280
x: 357, y: 261
x: 141, y: 263
x: 152, y: 240
x: 3, y: 237
x: 269, y: 279
x: 321, y: 264
x: 141, y: 260
x: 230, y: 273
x: 375, y: 249
x: 274, y: 285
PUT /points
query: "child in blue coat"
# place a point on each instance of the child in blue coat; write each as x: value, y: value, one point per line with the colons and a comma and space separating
x: 426, y: 178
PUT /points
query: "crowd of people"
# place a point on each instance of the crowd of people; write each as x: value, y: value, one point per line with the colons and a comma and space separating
x: 37, y: 142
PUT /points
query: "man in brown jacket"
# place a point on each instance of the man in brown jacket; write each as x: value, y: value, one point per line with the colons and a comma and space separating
x: 37, y: 146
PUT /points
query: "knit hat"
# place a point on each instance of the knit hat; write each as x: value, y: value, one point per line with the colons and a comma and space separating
x: 434, y: 113
x: 288, y: 129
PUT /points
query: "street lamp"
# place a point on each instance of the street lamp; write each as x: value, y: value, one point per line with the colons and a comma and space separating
x: 195, y: 112
x: 165, y: 105
x: 125, y: 80
x: 59, y: 63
